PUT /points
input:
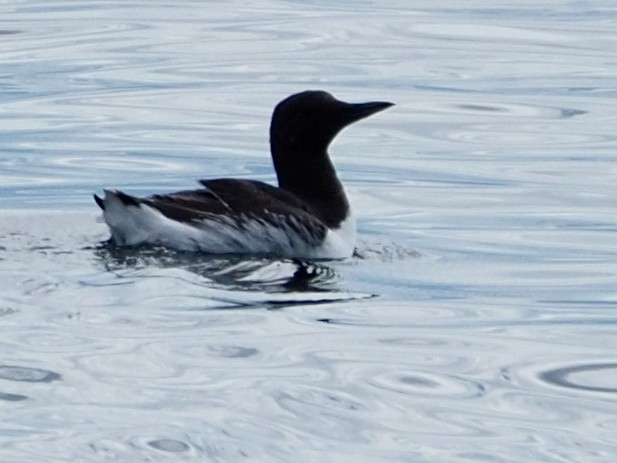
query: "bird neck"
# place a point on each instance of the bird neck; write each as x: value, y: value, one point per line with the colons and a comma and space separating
x: 315, y: 182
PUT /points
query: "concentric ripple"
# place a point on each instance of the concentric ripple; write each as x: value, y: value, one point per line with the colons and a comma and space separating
x: 598, y: 377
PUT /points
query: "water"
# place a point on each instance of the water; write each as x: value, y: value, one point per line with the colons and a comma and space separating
x: 477, y: 321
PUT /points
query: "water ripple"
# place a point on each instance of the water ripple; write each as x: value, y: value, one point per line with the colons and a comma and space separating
x: 473, y: 322
x: 8, y: 397
x: 28, y: 375
x: 426, y: 384
x: 169, y: 445
x: 597, y: 377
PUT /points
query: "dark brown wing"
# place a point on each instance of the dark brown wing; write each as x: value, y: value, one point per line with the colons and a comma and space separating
x: 240, y: 200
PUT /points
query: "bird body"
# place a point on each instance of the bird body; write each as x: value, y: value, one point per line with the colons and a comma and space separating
x: 306, y: 216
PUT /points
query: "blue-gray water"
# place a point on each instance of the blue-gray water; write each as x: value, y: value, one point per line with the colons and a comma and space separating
x: 476, y: 324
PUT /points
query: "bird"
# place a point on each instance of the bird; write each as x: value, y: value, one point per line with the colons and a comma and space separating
x: 307, y: 216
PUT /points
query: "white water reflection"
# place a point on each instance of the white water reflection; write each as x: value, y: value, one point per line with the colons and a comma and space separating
x: 476, y: 321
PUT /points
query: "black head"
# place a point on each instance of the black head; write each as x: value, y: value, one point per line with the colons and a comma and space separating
x: 307, y: 122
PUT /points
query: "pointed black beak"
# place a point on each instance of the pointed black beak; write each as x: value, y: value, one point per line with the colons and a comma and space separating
x: 357, y: 111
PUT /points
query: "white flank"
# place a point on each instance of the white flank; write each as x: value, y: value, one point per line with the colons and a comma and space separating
x: 133, y: 225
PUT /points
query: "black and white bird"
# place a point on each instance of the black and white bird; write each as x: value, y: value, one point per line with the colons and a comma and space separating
x: 306, y: 216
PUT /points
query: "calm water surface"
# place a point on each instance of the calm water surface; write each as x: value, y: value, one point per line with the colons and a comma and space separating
x: 477, y: 322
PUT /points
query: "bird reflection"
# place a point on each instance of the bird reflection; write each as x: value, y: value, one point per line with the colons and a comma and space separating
x: 249, y: 273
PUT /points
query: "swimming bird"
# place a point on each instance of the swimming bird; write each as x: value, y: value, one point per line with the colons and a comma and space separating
x: 306, y: 216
